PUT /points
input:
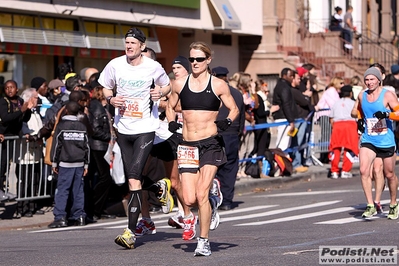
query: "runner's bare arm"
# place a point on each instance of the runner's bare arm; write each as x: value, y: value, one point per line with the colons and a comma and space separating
x: 173, y: 99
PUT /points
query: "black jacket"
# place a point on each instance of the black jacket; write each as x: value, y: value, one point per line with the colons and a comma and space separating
x: 303, y: 104
x: 71, y: 144
x: 260, y: 114
x: 282, y: 96
x: 11, y: 116
x: 100, y: 125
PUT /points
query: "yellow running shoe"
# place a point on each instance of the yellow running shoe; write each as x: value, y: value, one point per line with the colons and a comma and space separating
x: 126, y: 240
x: 166, y: 198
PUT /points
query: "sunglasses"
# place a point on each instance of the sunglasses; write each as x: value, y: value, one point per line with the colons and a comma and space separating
x: 198, y: 59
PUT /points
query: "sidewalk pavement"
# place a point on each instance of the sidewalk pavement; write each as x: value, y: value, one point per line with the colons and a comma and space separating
x: 244, y: 185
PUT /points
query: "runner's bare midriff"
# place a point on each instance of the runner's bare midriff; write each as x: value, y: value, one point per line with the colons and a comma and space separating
x: 199, y: 124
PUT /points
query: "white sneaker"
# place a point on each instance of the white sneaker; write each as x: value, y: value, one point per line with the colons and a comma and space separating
x: 176, y: 220
x: 334, y: 175
x: 346, y: 174
x: 203, y: 247
x: 215, y: 218
x: 216, y: 192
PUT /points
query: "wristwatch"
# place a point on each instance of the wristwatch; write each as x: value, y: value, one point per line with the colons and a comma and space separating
x: 109, y: 99
x: 229, y: 121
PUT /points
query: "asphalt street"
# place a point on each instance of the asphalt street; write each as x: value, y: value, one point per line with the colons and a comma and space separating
x: 281, y: 226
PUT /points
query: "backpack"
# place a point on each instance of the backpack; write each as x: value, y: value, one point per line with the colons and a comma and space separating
x: 282, y: 163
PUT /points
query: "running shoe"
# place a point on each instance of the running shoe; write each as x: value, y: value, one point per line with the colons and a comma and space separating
x: 216, y: 192
x: 378, y: 207
x: 126, y: 239
x: 176, y: 220
x: 189, y: 228
x: 346, y: 174
x: 145, y: 227
x: 166, y: 198
x: 370, y: 211
x: 203, y: 247
x: 393, y: 212
x: 334, y: 175
x: 215, y: 218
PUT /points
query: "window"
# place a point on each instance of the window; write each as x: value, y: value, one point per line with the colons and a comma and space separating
x: 222, y: 39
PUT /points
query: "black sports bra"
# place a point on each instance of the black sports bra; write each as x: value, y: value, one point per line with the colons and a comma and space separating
x: 205, y: 100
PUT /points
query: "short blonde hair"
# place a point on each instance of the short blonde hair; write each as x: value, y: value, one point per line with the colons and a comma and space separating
x: 336, y: 82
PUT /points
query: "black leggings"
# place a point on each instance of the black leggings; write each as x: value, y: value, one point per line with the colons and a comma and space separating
x: 135, y: 150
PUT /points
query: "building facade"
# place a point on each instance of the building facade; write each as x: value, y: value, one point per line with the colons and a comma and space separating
x: 37, y: 36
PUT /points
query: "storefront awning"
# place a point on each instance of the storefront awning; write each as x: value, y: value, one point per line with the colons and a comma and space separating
x: 223, y: 15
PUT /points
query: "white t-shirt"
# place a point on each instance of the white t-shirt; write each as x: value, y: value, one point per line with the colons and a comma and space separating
x: 133, y: 83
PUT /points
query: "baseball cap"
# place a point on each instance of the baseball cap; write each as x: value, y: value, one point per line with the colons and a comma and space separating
x: 301, y: 71
x: 55, y: 83
x: 220, y: 71
x: 346, y: 88
x: 136, y: 33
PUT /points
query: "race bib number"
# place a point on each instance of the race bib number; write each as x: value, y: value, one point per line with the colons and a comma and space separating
x: 187, y: 157
x: 133, y: 108
x: 376, y: 126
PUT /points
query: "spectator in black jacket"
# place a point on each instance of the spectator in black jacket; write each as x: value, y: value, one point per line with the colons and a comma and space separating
x: 261, y: 112
x: 298, y: 143
x: 96, y: 193
x: 287, y: 112
x: 70, y: 157
x: 227, y: 173
x: 13, y: 112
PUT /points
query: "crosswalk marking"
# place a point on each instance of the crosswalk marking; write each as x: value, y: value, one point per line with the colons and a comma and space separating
x: 356, y: 218
x: 307, y: 193
x: 263, y: 214
x: 249, y: 214
x: 301, y: 216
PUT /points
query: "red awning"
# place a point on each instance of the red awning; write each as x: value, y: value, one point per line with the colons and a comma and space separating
x: 23, y: 48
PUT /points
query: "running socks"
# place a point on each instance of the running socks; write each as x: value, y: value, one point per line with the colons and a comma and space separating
x: 134, y: 208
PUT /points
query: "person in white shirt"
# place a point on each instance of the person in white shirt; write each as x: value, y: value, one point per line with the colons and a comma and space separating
x: 136, y: 117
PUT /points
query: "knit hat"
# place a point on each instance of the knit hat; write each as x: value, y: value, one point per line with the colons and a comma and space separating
x: 395, y: 69
x: 37, y: 82
x: 181, y: 60
x: 373, y: 71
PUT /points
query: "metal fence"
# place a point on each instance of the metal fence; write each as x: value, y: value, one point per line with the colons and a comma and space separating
x: 319, y: 138
x: 26, y: 174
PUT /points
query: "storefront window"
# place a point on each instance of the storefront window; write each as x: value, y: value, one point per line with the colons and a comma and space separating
x: 48, y: 23
x: 64, y: 24
x: 23, y: 21
x: 5, y: 19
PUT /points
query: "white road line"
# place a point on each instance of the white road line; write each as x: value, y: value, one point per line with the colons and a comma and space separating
x: 299, y: 217
x: 221, y: 213
x: 263, y: 214
x: 355, y: 218
x: 307, y: 193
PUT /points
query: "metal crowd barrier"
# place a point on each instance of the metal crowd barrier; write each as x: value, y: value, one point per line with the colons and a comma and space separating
x: 26, y: 174
x: 319, y: 139
x: 321, y: 134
